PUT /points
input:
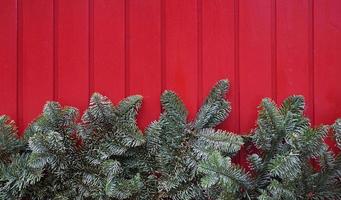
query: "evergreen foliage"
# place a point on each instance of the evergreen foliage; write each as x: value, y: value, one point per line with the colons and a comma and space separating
x: 282, y: 169
x: 176, y: 145
x: 16, y: 176
x: 97, y: 158
x: 111, y: 149
x: 104, y: 154
x: 9, y: 142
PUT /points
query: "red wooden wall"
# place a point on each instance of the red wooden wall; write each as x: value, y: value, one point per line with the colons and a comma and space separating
x: 66, y: 49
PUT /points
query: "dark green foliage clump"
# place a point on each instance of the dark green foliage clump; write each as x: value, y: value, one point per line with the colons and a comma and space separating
x: 282, y: 168
x: 111, y: 148
x: 176, y: 145
x: 53, y: 145
x: 61, y: 158
x: 16, y: 175
x: 104, y: 154
x: 9, y: 142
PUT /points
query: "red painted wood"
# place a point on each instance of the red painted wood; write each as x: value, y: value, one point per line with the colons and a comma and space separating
x: 8, y: 58
x: 293, y: 51
x: 327, y: 62
x: 145, y: 56
x: 108, y: 41
x: 73, y: 52
x: 269, y: 48
x: 37, y: 57
x: 254, y: 58
x: 181, y: 51
x: 327, y: 65
x: 218, y: 23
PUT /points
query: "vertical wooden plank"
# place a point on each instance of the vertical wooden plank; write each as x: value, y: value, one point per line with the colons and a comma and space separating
x: 327, y: 62
x: 181, y: 53
x: 8, y: 58
x: 19, y: 65
x: 218, y: 51
x: 144, y: 40
x: 109, y: 48
x: 255, y: 58
x: 73, y: 52
x: 293, y: 50
x: 37, y: 57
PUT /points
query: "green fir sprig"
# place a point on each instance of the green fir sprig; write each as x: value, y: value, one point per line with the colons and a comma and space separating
x: 104, y: 155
